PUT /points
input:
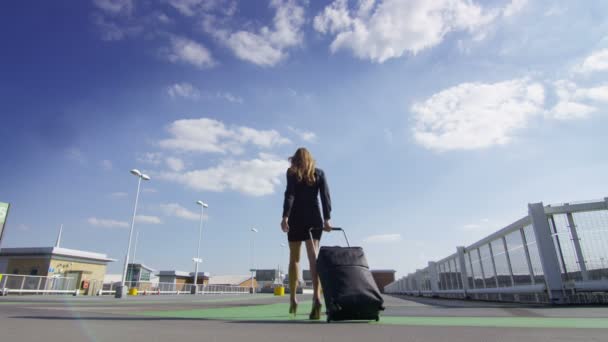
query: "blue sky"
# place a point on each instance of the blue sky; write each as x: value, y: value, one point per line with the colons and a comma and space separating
x: 435, y: 122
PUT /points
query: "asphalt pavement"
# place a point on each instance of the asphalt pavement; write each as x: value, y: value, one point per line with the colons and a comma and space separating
x: 257, y: 318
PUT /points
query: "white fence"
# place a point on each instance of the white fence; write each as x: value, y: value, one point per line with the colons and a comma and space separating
x: 25, y: 284
x: 555, y: 254
x: 150, y: 288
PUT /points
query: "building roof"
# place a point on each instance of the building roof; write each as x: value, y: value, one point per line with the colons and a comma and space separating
x: 142, y: 266
x: 200, y: 274
x: 172, y: 273
x: 54, y: 251
x: 228, y: 279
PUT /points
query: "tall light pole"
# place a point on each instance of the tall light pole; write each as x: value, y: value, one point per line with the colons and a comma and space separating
x: 135, y: 246
x: 120, y: 291
x: 198, y: 260
x: 253, y: 230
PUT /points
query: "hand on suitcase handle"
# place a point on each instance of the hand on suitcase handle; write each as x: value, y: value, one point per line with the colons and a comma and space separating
x: 333, y: 229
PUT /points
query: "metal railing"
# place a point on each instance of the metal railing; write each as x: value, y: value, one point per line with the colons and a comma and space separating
x: 26, y: 284
x: 555, y: 254
x: 153, y: 288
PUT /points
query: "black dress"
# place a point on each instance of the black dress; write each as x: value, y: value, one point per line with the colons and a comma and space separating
x: 301, y: 206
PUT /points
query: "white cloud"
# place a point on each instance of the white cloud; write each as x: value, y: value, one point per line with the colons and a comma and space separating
x: 304, y: 135
x: 145, y: 219
x: 383, y: 238
x: 175, y: 164
x: 599, y: 94
x: 574, y: 101
x: 153, y: 158
x: 229, y: 97
x: 256, y: 177
x: 268, y: 46
x: 185, y: 50
x: 476, y: 115
x: 115, y: 6
x: 191, y: 8
x: 106, y: 164
x: 208, y: 135
x: 566, y: 110
x: 174, y: 209
x: 514, y: 7
x: 150, y: 190
x: 185, y: 90
x: 390, y: 28
x: 107, y: 223
x: 596, y: 62
x: 118, y: 194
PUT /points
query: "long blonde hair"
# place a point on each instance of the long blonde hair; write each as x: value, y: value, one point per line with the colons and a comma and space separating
x: 303, y: 166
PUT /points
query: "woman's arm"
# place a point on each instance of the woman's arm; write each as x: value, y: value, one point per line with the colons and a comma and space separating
x: 290, y: 195
x: 325, y: 197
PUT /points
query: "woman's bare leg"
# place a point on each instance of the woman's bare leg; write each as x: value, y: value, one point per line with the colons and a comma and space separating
x: 294, y: 268
x: 312, y: 247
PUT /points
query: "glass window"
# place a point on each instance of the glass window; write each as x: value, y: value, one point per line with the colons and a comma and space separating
x: 488, y: 268
x: 457, y: 275
x: 470, y: 275
x: 503, y: 276
x: 565, y: 247
x: 477, y: 272
x: 519, y: 263
x: 592, y: 229
x: 537, y: 267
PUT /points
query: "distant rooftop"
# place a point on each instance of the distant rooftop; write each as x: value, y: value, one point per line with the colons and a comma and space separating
x: 142, y: 266
x: 181, y: 274
x: 228, y: 279
x: 54, y: 251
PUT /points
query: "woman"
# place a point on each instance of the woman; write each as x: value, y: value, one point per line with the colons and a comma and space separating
x: 300, y: 213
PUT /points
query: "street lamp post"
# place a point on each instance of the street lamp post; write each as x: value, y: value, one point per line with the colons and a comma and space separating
x: 253, y: 230
x: 120, y: 290
x: 197, y: 260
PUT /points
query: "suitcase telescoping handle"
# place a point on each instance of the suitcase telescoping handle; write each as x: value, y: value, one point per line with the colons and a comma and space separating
x: 333, y: 229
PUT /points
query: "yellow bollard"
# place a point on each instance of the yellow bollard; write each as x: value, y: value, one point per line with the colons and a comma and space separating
x: 133, y: 291
x: 279, y: 291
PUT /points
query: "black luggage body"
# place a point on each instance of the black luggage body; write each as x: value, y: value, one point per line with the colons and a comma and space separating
x: 349, y: 288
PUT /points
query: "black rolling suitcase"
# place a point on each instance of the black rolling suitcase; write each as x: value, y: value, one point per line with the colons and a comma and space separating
x: 349, y: 289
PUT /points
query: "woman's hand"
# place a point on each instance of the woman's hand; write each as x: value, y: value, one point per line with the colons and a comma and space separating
x: 284, y: 225
x: 327, y: 226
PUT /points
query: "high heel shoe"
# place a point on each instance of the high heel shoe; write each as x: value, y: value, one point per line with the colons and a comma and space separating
x: 293, y: 308
x: 315, y: 313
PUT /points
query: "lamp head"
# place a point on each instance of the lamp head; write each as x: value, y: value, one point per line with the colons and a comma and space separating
x: 136, y: 172
x: 145, y: 177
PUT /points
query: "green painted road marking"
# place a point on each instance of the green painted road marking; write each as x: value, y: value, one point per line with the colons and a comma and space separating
x: 278, y: 312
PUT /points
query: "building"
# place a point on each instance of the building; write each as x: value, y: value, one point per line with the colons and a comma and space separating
x: 140, y: 276
x: 86, y: 269
x: 182, y: 278
x: 233, y: 280
x: 139, y: 273
x: 267, y: 278
x: 383, y: 278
